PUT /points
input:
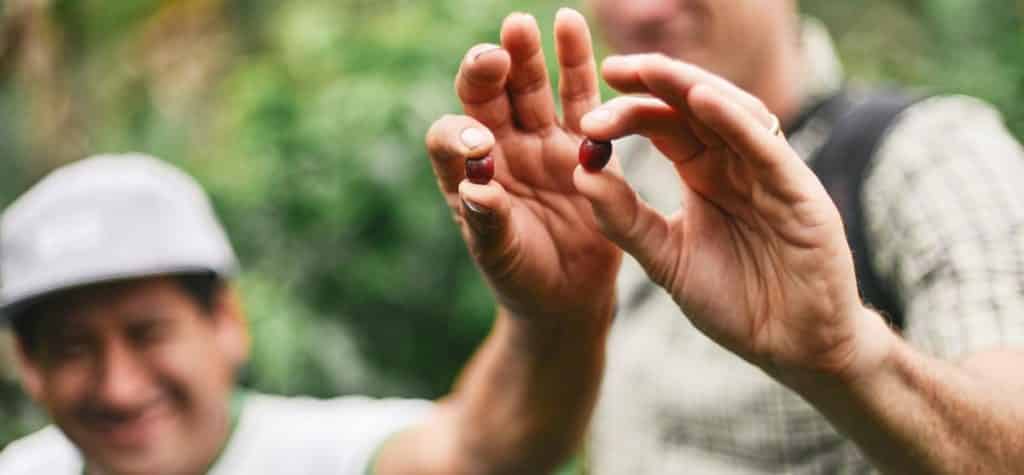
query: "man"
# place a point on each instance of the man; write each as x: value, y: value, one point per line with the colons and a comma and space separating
x: 941, y: 214
x: 830, y: 388
x: 116, y: 278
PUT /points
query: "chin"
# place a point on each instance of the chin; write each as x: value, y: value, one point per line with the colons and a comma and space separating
x: 136, y: 466
x: 152, y: 458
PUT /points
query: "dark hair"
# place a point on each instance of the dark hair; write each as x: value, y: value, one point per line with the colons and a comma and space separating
x: 201, y: 287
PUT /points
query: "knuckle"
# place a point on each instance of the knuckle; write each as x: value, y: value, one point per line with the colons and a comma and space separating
x: 662, y: 59
x: 436, y: 147
x: 438, y: 137
x: 761, y: 110
x: 758, y: 105
x: 431, y: 139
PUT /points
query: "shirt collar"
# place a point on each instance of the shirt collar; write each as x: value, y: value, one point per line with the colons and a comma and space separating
x: 823, y: 72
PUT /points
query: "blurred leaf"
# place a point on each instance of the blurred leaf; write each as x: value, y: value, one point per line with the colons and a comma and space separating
x: 305, y: 121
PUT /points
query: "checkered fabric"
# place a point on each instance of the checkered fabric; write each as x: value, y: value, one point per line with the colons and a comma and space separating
x: 944, y: 206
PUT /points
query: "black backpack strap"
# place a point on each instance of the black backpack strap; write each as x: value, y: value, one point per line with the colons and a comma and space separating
x: 842, y: 164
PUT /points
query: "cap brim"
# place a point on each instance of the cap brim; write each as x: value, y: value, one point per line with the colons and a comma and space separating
x: 10, y: 310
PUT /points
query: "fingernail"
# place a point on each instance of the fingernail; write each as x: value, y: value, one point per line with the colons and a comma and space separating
x: 474, y: 207
x: 599, y: 115
x: 566, y: 10
x: 481, y: 50
x: 530, y: 18
x: 621, y: 61
x: 481, y: 219
x: 472, y: 137
x: 527, y: 15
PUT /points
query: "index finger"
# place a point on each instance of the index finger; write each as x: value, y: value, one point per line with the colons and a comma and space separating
x: 782, y: 171
x: 671, y: 80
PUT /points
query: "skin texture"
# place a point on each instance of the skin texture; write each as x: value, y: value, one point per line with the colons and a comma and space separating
x: 521, y: 242
x: 783, y: 293
x: 750, y: 208
x: 756, y: 258
x: 751, y: 43
x: 523, y: 403
x: 136, y: 375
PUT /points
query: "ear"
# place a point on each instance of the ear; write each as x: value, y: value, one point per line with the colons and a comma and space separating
x: 232, y: 327
x: 29, y: 370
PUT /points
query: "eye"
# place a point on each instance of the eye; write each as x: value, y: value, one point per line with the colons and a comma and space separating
x: 153, y: 331
x: 69, y: 348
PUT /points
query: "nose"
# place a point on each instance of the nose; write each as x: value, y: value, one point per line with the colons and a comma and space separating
x: 649, y: 11
x: 123, y: 383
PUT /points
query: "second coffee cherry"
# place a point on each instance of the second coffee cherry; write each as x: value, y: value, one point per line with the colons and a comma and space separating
x: 594, y: 154
x: 480, y: 170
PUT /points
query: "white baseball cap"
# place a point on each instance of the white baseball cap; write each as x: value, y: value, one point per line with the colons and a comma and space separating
x: 107, y: 218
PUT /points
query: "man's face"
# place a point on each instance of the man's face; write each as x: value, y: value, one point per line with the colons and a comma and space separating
x: 728, y: 37
x: 136, y: 374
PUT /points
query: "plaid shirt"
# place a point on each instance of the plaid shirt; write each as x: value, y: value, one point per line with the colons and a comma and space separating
x: 944, y: 209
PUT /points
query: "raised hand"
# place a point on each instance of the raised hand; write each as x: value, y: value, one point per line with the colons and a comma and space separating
x: 529, y: 230
x: 756, y: 257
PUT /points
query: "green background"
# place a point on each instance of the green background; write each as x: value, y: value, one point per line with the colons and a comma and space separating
x: 305, y: 121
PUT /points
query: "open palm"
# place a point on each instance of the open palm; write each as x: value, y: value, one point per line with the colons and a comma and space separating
x: 531, y: 233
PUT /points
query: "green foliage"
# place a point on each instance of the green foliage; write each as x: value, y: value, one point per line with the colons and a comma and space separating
x: 305, y: 121
x: 961, y: 46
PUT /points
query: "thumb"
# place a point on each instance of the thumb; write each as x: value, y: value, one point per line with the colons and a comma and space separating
x: 626, y: 219
x: 486, y: 210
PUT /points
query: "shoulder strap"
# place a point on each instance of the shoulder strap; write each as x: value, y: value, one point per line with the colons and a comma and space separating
x: 842, y: 164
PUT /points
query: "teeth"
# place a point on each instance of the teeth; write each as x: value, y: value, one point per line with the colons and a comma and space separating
x: 594, y: 154
x: 480, y: 170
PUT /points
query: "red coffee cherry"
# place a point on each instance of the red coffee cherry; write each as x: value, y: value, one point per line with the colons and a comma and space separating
x: 480, y: 170
x: 594, y: 154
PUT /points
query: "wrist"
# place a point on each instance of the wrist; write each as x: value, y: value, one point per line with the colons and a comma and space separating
x: 874, y: 355
x: 878, y: 348
x: 577, y: 329
x: 542, y: 314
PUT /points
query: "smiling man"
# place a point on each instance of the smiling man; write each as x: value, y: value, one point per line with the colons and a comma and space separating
x: 135, y: 371
x: 117, y: 282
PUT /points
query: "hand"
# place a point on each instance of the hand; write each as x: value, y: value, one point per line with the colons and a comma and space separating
x: 533, y: 236
x: 756, y: 257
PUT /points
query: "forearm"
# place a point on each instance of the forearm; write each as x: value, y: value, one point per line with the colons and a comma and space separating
x: 919, y: 414
x: 525, y: 401
x: 521, y: 405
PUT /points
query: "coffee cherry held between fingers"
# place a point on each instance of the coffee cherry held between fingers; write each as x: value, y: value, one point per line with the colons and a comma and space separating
x: 480, y: 170
x: 594, y: 154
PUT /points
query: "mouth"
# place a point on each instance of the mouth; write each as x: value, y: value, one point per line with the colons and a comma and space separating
x: 658, y: 45
x: 671, y: 39
x: 131, y: 430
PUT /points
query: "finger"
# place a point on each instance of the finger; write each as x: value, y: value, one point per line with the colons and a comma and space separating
x: 529, y: 88
x: 487, y: 210
x: 450, y: 141
x: 577, y: 84
x: 647, y: 116
x: 671, y: 80
x: 627, y: 220
x: 480, y: 85
x: 769, y: 154
x: 627, y: 73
